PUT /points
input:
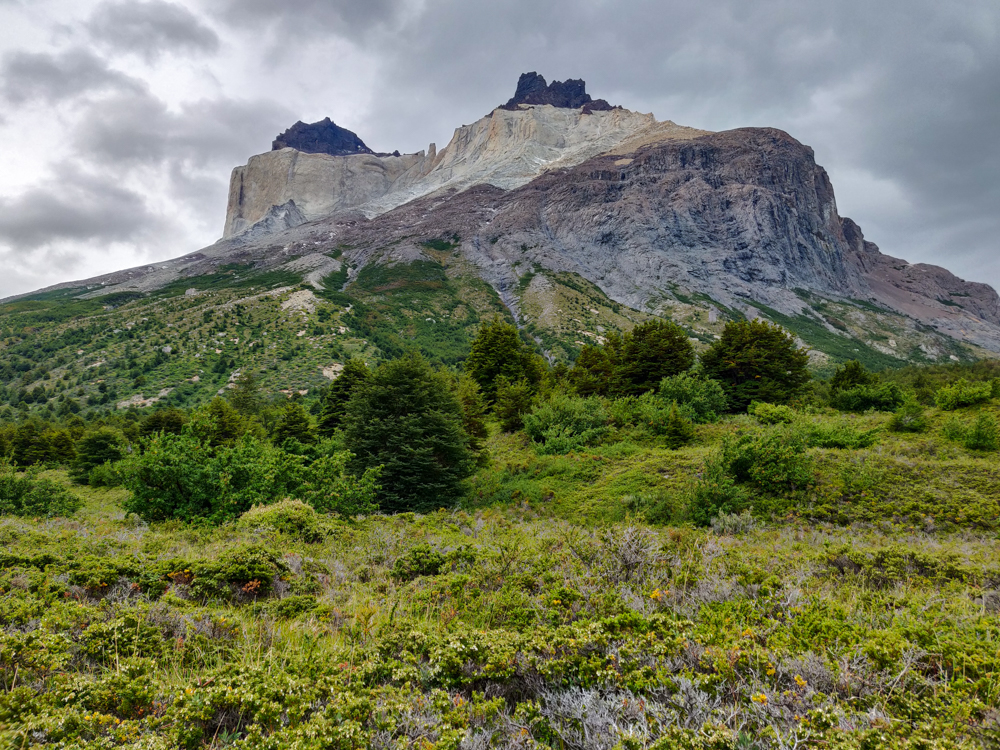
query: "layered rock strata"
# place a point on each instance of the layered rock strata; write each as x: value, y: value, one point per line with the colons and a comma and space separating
x: 507, y: 149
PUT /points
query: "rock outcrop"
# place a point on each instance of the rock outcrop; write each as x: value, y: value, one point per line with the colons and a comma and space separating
x: 323, y: 137
x: 507, y: 148
x: 317, y: 184
x: 569, y: 94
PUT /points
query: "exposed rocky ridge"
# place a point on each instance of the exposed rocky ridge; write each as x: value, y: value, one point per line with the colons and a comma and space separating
x: 744, y: 218
x: 654, y: 214
x: 568, y: 94
x: 506, y: 148
x: 323, y: 137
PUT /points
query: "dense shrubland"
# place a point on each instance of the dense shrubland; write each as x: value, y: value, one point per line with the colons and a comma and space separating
x: 651, y: 549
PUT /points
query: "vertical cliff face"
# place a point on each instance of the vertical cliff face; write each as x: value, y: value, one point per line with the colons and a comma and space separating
x: 507, y: 148
x: 317, y: 184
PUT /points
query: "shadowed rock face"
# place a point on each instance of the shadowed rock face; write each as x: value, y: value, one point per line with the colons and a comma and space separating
x: 323, y: 137
x: 569, y: 94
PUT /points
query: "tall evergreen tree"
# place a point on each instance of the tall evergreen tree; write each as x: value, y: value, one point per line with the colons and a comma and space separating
x: 594, y: 370
x: 406, y: 419
x: 294, y: 424
x: 652, y: 351
x: 245, y: 397
x: 473, y: 413
x: 756, y: 361
x: 94, y: 449
x: 498, y: 351
x: 338, y: 393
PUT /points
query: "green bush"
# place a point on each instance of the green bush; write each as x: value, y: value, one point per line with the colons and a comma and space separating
x: 771, y: 413
x: 678, y: 431
x: 105, y: 475
x: 840, y: 436
x: 717, y: 493
x: 647, y: 412
x: 420, y: 560
x: 564, y: 423
x: 292, y: 517
x: 962, y: 393
x: 910, y: 417
x: 884, y: 397
x: 700, y: 399
x: 181, y: 476
x: 983, y: 435
x: 246, y: 571
x: 755, y: 470
x: 25, y: 494
x: 329, y: 488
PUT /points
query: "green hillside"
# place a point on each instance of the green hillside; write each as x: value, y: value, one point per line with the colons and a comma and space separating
x: 69, y: 351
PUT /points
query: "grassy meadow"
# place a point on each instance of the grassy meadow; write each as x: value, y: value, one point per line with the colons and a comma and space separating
x: 567, y: 601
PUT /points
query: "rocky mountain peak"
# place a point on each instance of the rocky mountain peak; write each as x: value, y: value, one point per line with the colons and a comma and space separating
x: 568, y: 94
x: 323, y: 137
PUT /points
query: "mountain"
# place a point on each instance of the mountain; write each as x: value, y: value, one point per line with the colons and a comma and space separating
x: 570, y: 215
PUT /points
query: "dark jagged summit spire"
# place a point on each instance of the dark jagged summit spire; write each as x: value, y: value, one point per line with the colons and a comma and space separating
x: 323, y: 137
x: 568, y: 94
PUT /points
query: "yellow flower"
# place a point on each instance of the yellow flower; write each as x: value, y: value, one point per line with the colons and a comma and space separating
x: 760, y: 698
x: 799, y: 681
x: 770, y: 670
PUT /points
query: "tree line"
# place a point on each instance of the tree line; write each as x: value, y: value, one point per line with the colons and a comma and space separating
x: 403, y: 435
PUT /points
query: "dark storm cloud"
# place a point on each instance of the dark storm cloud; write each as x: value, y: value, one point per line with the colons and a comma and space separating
x: 51, y: 77
x: 74, y: 206
x: 151, y: 29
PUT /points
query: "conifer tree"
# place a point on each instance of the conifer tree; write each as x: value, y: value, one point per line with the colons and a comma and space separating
x: 594, y: 370
x: 497, y: 351
x: 851, y: 375
x: 473, y: 413
x: 338, y: 393
x: 294, y: 424
x: 678, y: 431
x: 406, y: 419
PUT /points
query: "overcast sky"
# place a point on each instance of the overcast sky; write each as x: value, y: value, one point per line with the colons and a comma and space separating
x: 120, y: 121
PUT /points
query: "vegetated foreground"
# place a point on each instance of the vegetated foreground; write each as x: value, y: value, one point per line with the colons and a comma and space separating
x: 621, y: 571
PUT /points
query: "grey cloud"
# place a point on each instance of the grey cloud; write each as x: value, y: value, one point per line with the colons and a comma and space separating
x: 140, y: 129
x: 151, y: 29
x: 310, y: 17
x: 51, y: 77
x: 76, y: 207
x: 905, y: 91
